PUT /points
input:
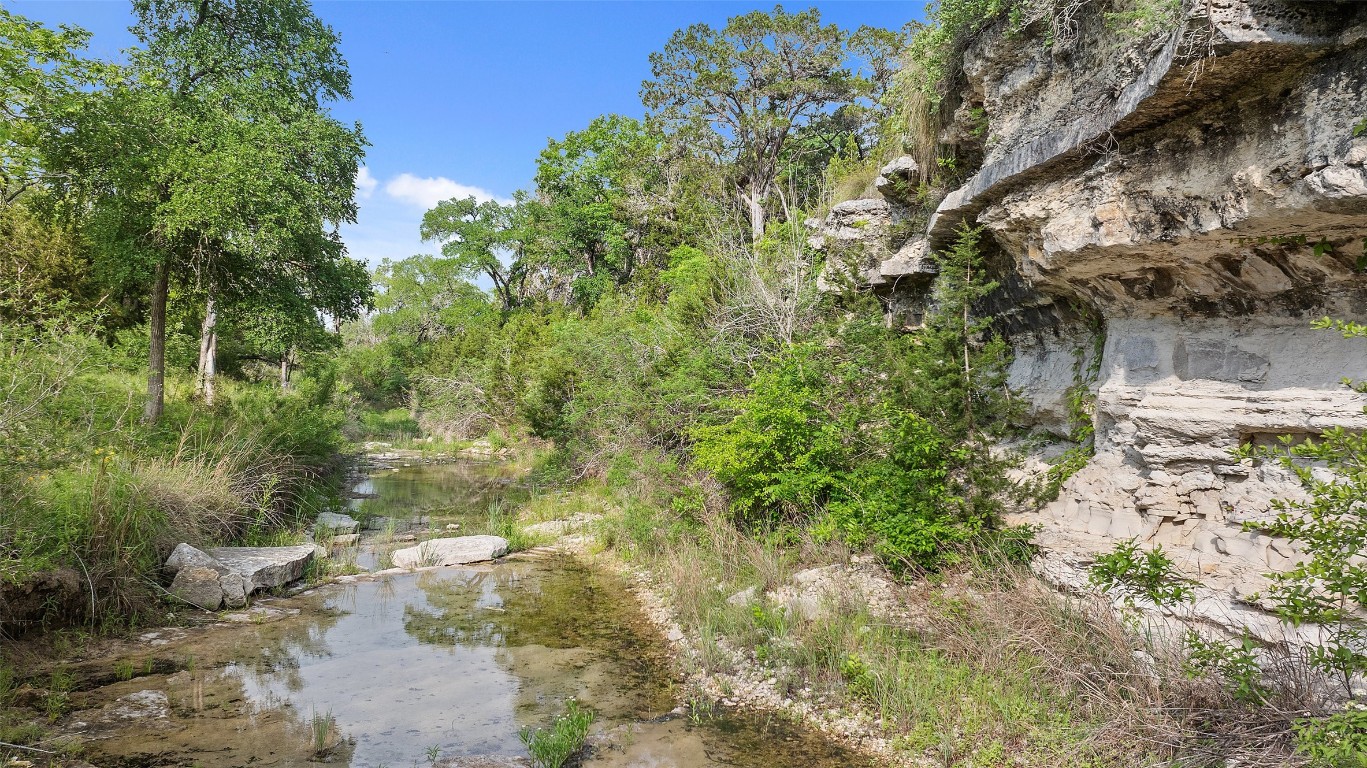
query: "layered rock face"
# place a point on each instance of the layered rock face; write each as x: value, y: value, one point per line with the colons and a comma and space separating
x: 1171, y: 210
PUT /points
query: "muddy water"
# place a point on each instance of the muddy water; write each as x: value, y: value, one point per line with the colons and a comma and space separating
x: 434, y: 667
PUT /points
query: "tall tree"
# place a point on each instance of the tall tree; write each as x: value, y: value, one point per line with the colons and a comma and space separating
x: 754, y: 83
x: 601, y: 191
x: 476, y: 238
x: 215, y: 160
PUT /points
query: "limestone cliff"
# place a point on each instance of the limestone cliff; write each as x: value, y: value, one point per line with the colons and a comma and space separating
x: 1171, y: 210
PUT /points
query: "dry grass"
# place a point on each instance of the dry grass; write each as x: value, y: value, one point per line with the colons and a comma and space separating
x: 984, y: 667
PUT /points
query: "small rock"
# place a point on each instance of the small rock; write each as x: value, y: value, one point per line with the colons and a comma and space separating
x: 900, y: 172
x: 333, y: 522
x: 346, y: 539
x: 140, y: 705
x: 552, y: 528
x: 185, y: 555
x: 744, y: 597
x: 193, y: 584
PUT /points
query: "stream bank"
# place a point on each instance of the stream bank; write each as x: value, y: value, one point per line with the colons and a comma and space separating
x: 434, y: 666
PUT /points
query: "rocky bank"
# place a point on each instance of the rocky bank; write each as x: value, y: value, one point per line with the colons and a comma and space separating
x: 1167, y: 211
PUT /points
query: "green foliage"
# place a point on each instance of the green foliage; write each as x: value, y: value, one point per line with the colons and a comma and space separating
x: 41, y: 77
x: 605, y: 210
x: 1329, y: 586
x: 210, y: 163
x: 958, y: 367
x: 873, y: 437
x: 553, y: 748
x: 949, y: 27
x: 472, y: 235
x: 1141, y: 574
x: 1235, y: 665
x: 1143, y: 17
x: 756, y: 82
x: 1338, y: 740
x: 88, y: 488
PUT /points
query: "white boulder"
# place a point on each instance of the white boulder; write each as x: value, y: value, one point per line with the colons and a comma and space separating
x: 457, y: 550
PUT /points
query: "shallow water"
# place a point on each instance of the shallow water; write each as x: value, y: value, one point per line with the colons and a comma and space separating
x: 450, y: 663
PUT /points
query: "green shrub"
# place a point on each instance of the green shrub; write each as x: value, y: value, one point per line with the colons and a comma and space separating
x: 1136, y: 573
x: 1329, y: 586
x: 394, y: 424
x: 1338, y: 740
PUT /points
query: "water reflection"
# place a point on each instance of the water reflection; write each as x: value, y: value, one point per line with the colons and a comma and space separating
x: 463, y: 487
x: 458, y: 659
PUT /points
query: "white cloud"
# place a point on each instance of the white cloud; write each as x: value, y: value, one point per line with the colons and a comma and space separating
x: 365, y: 183
x: 425, y: 193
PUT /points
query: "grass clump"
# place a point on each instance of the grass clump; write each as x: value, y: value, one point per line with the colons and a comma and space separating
x: 557, y: 745
x: 322, y: 732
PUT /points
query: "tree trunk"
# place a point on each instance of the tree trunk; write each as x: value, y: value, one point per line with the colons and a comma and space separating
x: 285, y: 370
x: 754, y: 198
x: 208, y: 352
x: 413, y: 402
x: 213, y: 369
x: 156, y: 355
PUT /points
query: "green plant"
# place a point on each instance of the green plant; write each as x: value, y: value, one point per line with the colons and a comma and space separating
x: 1138, y: 574
x: 321, y: 730
x: 1328, y: 586
x: 433, y: 753
x: 1235, y: 665
x: 1338, y: 740
x: 878, y: 439
x: 1143, y: 17
x: 553, y: 748
x: 58, y: 697
x: 123, y: 669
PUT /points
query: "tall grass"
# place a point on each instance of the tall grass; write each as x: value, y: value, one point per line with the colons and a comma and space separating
x: 86, y: 487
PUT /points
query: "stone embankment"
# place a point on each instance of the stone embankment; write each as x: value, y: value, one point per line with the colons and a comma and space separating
x: 1166, y: 213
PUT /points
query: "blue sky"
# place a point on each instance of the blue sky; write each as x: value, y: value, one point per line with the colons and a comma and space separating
x: 459, y: 97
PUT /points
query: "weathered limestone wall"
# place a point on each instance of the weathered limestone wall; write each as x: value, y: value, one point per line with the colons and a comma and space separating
x: 1182, y: 205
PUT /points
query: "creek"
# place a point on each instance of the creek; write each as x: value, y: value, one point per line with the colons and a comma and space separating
x: 439, y: 667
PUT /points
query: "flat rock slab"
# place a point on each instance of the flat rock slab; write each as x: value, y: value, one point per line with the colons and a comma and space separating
x: 333, y: 522
x: 458, y: 550
x: 265, y: 567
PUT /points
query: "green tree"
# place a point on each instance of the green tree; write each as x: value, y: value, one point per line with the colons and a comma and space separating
x: 754, y: 82
x: 214, y: 161
x: 602, y: 197
x: 41, y: 77
x: 476, y: 237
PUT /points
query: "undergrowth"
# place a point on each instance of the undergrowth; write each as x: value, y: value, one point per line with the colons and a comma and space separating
x: 90, y: 490
x: 980, y: 664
